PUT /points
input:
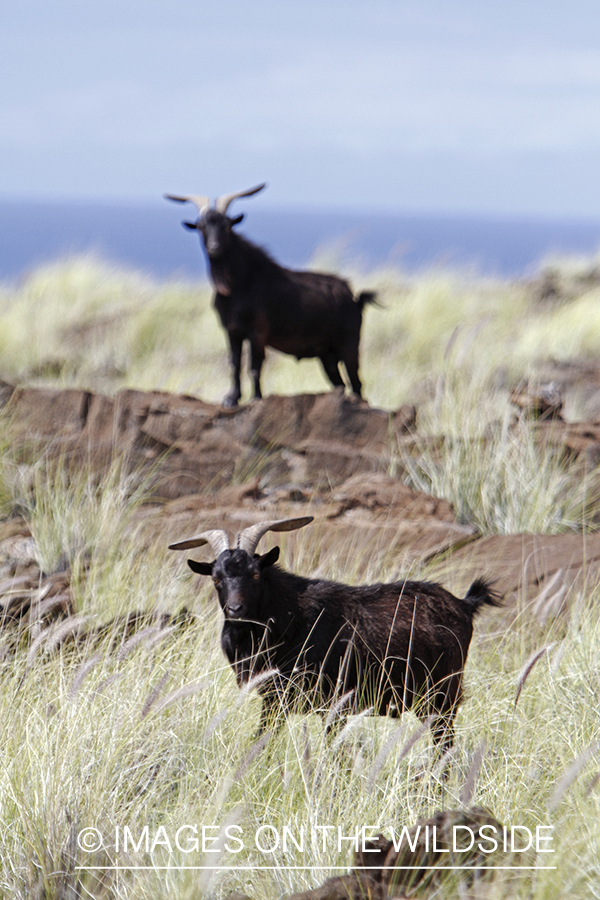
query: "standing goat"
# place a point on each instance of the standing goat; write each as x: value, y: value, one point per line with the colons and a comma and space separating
x: 305, y: 314
x: 393, y: 646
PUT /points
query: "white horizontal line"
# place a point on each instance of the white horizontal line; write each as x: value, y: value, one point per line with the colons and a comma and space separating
x: 315, y: 868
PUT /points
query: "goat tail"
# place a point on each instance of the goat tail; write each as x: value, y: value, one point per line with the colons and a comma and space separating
x: 481, y: 593
x: 366, y: 297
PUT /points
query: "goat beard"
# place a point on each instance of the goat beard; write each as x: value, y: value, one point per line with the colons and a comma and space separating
x: 222, y: 287
x: 220, y: 280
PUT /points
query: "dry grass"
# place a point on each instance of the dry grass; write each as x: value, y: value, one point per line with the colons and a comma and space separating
x: 159, y: 735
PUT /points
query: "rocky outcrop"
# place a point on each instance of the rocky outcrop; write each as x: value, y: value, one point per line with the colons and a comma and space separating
x: 311, y: 439
x: 324, y: 455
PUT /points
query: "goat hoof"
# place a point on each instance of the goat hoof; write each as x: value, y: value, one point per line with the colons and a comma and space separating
x: 229, y: 402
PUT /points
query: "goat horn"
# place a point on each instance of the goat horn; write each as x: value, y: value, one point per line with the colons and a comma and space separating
x: 218, y: 540
x: 222, y: 203
x: 201, y: 203
x: 248, y: 538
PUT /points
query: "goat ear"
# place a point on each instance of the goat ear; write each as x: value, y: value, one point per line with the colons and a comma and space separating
x: 201, y: 568
x: 237, y: 220
x: 192, y: 225
x: 267, y: 559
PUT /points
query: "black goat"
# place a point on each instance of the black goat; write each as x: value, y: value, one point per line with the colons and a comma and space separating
x: 305, y: 314
x: 394, y: 646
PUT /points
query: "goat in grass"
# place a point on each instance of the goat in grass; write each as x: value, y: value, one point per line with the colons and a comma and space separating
x: 388, y: 646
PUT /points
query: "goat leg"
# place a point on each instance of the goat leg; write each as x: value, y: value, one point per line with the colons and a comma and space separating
x: 270, y: 719
x: 257, y: 357
x: 232, y: 398
x: 350, y: 358
x: 330, y: 364
x: 442, y: 730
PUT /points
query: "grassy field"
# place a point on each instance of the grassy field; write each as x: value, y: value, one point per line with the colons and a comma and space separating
x: 82, y: 323
x: 152, y: 731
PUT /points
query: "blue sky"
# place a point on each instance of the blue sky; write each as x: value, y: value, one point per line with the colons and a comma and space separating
x: 469, y: 106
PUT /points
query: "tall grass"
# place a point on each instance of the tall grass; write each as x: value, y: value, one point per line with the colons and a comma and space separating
x: 496, y: 469
x: 81, y: 322
x: 161, y: 736
x: 77, y: 513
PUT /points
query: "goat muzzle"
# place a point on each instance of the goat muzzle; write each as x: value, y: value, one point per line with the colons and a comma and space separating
x: 235, y: 611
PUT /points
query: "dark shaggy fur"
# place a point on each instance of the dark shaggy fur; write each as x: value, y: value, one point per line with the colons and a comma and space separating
x: 302, y: 313
x: 395, y: 646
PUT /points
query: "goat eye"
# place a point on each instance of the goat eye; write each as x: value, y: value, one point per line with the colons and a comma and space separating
x: 256, y: 576
x: 216, y: 579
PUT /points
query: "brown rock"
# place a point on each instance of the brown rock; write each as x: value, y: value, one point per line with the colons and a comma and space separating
x: 236, y: 494
x: 405, y: 869
x: 321, y: 438
x: 538, y: 401
x: 13, y: 527
x: 190, y: 468
x: 575, y: 439
x: 6, y: 392
x: 331, y: 417
x: 383, y: 493
x: 24, y: 600
x: 336, y: 417
x: 358, y: 886
x: 130, y: 415
x: 328, y: 463
x: 276, y: 421
x: 399, y: 542
x: 172, y: 419
x: 98, y: 432
x: 47, y: 412
x: 523, y: 564
x: 579, y: 383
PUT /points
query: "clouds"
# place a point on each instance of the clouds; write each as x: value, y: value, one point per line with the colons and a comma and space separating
x: 330, y: 93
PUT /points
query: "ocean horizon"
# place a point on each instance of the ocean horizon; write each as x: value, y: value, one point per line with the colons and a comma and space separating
x: 148, y: 237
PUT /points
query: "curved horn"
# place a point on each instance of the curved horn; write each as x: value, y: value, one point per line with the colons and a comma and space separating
x: 248, y: 538
x: 218, y: 540
x: 222, y: 203
x: 201, y: 203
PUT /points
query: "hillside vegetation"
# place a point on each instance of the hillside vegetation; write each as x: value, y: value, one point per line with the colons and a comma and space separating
x: 150, y: 729
x: 81, y: 322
